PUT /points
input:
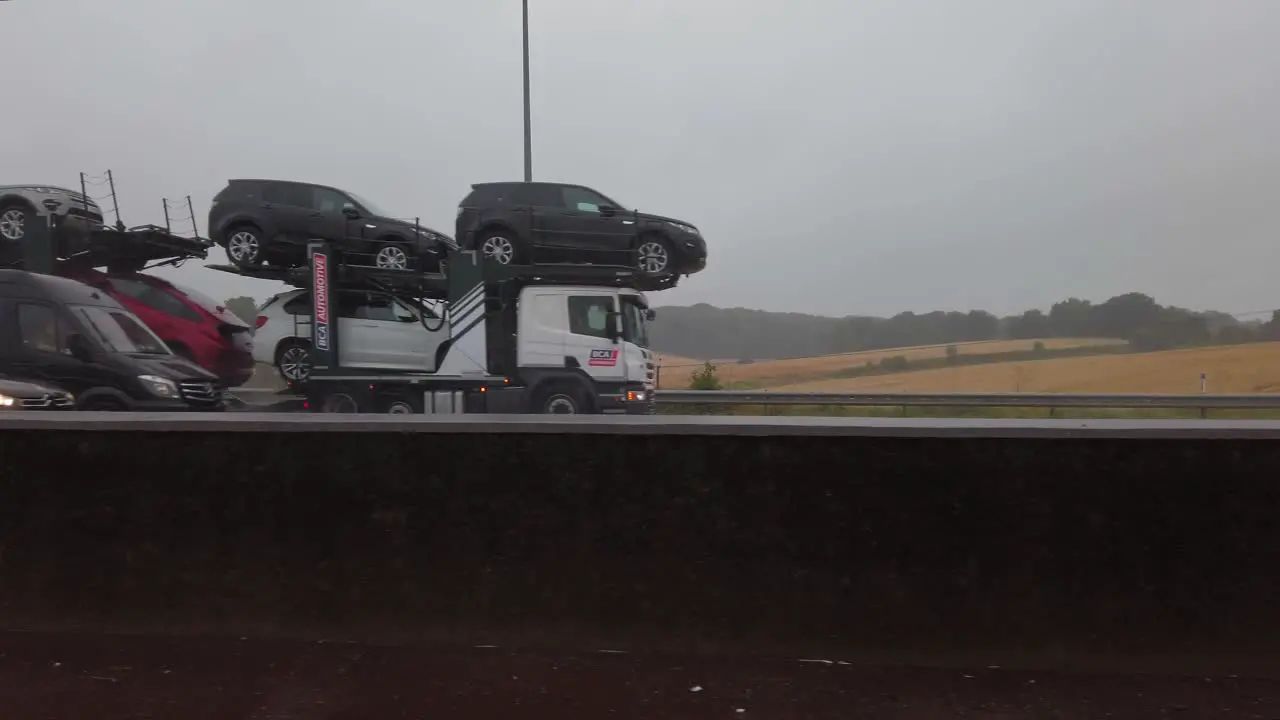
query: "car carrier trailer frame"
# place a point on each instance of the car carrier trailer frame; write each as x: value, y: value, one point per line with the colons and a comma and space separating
x: 479, y: 368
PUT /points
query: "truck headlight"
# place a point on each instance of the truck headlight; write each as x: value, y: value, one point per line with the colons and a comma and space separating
x: 6, y: 401
x: 158, y: 386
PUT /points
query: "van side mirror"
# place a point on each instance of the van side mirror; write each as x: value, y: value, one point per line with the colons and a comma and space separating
x: 650, y: 314
x: 79, y: 347
x: 350, y: 212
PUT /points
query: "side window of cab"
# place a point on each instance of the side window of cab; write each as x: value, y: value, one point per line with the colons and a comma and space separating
x: 38, y: 328
x: 589, y: 315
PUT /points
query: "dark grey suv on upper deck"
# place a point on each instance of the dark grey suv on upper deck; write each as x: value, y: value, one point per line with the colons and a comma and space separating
x: 76, y: 214
x: 516, y: 222
x: 271, y: 221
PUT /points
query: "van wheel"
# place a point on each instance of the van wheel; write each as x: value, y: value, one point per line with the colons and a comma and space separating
x: 104, y: 405
x: 561, y: 400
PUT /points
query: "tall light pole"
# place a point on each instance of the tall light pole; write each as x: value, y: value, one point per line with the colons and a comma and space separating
x: 528, y: 133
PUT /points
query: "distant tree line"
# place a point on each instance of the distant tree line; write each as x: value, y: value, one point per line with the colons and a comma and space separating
x: 705, y: 331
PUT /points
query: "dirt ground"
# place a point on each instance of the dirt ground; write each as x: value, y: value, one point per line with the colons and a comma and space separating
x: 106, y: 677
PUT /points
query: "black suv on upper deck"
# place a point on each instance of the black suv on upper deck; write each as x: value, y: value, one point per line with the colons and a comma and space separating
x: 271, y: 221
x: 533, y: 222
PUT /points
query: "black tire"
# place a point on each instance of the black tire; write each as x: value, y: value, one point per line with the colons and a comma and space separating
x: 104, y: 404
x: 11, y: 212
x: 652, y: 249
x: 398, y: 406
x: 244, y: 246
x: 295, y: 355
x: 561, y: 400
x: 501, y: 246
x: 339, y: 402
x: 390, y: 255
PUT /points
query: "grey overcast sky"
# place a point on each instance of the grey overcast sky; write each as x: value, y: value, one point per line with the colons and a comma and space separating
x: 841, y: 157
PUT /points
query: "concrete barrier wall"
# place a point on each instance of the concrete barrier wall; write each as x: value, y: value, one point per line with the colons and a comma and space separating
x: 847, y: 546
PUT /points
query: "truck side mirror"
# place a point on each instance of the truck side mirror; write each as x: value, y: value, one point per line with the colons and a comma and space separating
x: 79, y: 347
x: 650, y: 314
x: 350, y: 212
x: 615, y: 325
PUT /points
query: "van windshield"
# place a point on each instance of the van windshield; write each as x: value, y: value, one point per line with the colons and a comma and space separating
x: 119, y: 331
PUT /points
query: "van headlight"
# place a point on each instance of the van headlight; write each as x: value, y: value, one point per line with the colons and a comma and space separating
x: 158, y: 386
x: 6, y: 401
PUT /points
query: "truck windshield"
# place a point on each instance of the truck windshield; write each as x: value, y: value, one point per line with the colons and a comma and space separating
x: 635, y: 328
x: 119, y: 331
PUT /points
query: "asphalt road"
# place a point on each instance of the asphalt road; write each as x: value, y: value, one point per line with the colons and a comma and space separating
x: 105, y: 677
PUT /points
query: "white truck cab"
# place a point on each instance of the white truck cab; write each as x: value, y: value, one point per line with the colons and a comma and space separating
x: 600, y: 331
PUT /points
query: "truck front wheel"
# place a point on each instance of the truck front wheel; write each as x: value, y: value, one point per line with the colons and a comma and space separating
x: 561, y: 400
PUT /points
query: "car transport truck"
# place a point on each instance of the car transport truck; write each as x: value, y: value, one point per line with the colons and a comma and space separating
x: 562, y: 339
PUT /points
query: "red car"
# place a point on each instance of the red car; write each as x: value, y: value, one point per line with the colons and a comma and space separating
x: 193, y: 325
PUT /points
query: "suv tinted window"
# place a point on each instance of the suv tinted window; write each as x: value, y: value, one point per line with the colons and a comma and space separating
x: 487, y: 195
x: 287, y: 194
x: 582, y: 199
x: 539, y: 195
x: 589, y: 315
x: 239, y: 190
x: 327, y: 201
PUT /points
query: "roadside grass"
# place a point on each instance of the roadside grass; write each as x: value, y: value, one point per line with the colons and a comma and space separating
x: 959, y: 412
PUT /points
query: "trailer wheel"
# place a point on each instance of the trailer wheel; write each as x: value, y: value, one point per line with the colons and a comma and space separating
x: 561, y: 400
x: 339, y: 402
x: 398, y: 406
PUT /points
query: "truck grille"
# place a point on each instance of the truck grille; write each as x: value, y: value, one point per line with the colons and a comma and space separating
x: 200, y: 393
x: 48, y: 401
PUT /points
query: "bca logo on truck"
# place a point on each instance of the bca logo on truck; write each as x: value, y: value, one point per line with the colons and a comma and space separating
x: 320, y: 283
x: 603, y: 358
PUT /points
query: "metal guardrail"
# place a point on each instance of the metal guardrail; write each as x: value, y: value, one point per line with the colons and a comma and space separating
x: 1043, y: 400
x: 1237, y: 401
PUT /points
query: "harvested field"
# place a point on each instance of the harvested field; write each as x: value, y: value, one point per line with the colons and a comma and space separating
x: 1252, y: 368
x: 675, y: 370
